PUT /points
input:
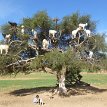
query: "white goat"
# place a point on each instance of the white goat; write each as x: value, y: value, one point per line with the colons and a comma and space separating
x: 52, y: 32
x: 22, y: 30
x: 34, y: 34
x: 90, y: 55
x: 7, y: 38
x: 88, y: 32
x: 45, y: 44
x: 4, y: 47
x: 83, y: 25
x: 74, y: 32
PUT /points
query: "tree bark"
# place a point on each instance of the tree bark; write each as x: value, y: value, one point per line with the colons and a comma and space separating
x: 62, y: 87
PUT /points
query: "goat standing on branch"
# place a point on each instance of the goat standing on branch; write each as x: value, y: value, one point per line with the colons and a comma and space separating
x: 6, y: 37
x: 83, y: 25
x: 74, y: 32
x: 45, y: 44
x: 52, y: 32
x: 13, y: 28
x: 88, y: 32
x: 4, y: 47
x: 35, y: 35
x: 22, y: 30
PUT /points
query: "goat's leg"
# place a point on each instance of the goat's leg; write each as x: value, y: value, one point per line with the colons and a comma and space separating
x: 46, y: 46
x: 78, y: 40
x: 37, y: 53
x: 1, y: 51
x: 6, y: 51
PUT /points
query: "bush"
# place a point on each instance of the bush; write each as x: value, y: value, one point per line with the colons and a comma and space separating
x: 72, y: 74
x: 4, y: 61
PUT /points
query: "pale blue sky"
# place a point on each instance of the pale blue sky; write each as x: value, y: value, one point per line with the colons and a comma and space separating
x: 15, y: 10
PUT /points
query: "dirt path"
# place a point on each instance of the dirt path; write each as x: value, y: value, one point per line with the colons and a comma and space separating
x: 92, y: 98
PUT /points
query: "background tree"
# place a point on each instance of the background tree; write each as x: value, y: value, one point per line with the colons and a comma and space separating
x: 101, y: 44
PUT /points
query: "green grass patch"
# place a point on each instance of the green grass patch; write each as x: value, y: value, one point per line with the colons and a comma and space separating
x: 22, y: 81
x: 37, y: 75
x: 95, y: 79
x: 34, y: 80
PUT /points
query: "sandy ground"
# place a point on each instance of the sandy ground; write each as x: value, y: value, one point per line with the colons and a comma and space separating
x: 87, y: 96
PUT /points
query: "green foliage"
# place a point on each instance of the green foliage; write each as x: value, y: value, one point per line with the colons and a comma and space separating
x: 73, y: 74
x: 5, y: 29
x: 103, y: 64
x: 87, y: 19
x: 101, y: 45
x: 71, y: 22
x: 9, y: 63
x: 4, y: 61
x: 74, y: 68
x: 23, y: 37
x: 65, y: 25
x: 68, y: 60
x: 57, y: 61
x: 28, y: 23
x: 42, y: 19
x: 74, y: 18
x: 53, y: 60
x: 37, y: 63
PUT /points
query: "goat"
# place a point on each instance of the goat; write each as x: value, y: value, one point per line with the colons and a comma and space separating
x: 4, y: 47
x: 88, y: 32
x: 12, y: 23
x: 90, y: 55
x: 22, y: 30
x: 74, y: 32
x: 7, y: 38
x: 83, y: 25
x: 45, y: 44
x: 34, y: 33
x: 52, y: 32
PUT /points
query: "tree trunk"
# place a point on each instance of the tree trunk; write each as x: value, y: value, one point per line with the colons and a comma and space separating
x: 62, y: 89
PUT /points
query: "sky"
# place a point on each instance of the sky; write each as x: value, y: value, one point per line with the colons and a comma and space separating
x: 16, y: 10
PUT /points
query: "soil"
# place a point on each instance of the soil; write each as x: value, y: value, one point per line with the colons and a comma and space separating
x: 82, y: 96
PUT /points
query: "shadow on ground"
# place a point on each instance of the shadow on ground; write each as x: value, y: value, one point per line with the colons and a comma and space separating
x: 80, y: 89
